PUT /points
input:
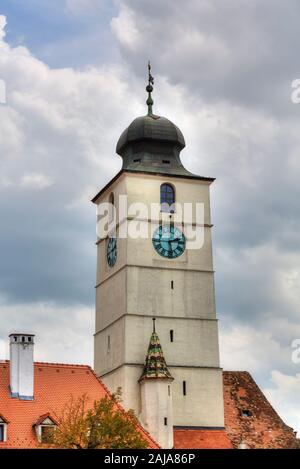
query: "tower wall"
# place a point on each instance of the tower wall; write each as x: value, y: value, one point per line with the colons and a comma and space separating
x: 157, y: 410
x: 201, y: 406
x: 138, y: 287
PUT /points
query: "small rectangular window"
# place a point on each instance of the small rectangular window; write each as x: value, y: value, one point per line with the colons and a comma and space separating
x: 184, y: 388
x: 166, y: 421
x: 137, y: 160
x: 171, y: 335
x: 108, y: 343
x: 166, y: 161
x: 246, y: 413
x: 2, y: 432
x: 169, y: 390
x: 47, y: 433
x: 172, y: 284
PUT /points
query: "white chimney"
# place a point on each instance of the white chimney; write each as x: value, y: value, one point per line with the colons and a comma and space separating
x: 21, y: 365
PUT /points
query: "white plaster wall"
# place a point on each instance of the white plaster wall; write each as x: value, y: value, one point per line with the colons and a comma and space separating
x: 149, y: 291
x: 203, y: 404
x: 127, y: 378
x: 104, y: 271
x: 195, y: 340
x: 117, y: 188
x: 107, y: 359
x: 156, y: 402
x: 111, y: 300
x: 140, y: 252
x: 145, y: 188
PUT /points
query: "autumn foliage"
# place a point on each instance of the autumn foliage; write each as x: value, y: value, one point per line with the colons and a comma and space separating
x: 105, y: 425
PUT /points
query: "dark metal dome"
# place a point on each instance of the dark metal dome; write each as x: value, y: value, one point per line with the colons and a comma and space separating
x: 152, y: 129
x: 152, y: 143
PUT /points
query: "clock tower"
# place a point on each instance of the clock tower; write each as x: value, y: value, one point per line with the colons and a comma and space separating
x: 158, y: 274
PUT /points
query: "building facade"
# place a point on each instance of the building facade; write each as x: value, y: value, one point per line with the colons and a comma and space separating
x: 158, y: 275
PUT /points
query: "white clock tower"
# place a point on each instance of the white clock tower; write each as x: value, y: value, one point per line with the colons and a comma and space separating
x: 158, y: 276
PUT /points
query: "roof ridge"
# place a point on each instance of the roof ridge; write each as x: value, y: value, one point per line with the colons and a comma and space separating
x: 76, y: 365
x: 67, y: 365
x: 55, y: 364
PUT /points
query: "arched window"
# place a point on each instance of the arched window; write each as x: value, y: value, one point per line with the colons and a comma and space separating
x: 167, y: 198
x: 111, y: 201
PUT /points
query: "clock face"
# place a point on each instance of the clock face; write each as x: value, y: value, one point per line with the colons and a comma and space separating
x: 168, y: 241
x: 111, y: 253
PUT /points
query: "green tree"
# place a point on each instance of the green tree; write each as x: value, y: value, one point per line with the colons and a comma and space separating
x: 105, y: 425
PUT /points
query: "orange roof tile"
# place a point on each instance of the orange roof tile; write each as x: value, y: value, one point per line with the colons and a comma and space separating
x: 54, y: 384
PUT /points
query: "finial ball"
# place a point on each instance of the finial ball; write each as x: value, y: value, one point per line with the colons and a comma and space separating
x: 149, y: 88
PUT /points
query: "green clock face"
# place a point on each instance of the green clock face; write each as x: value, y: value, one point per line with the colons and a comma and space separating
x: 168, y: 241
x: 111, y: 253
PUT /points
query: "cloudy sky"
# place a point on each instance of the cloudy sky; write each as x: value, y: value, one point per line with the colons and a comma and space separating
x: 75, y: 76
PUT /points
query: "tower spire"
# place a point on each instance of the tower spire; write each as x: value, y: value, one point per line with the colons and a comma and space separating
x: 155, y: 364
x: 149, y: 89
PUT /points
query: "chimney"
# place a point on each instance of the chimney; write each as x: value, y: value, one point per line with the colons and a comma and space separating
x: 21, y: 365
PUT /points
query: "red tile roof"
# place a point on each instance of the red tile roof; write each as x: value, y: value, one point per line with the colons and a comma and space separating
x: 54, y: 384
x: 201, y: 439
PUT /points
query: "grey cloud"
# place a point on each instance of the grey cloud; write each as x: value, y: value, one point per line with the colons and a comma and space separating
x: 63, y: 333
x: 240, y: 52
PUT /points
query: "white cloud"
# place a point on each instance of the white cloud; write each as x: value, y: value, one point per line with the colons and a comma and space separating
x: 2, y: 26
x: 58, y: 124
x: 251, y: 349
x: 126, y: 30
x: 3, y: 349
x: 257, y: 351
x: 35, y: 181
x: 63, y: 334
x: 284, y: 395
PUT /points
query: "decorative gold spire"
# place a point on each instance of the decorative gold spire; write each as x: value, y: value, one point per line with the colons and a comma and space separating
x: 149, y: 89
x: 155, y: 364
